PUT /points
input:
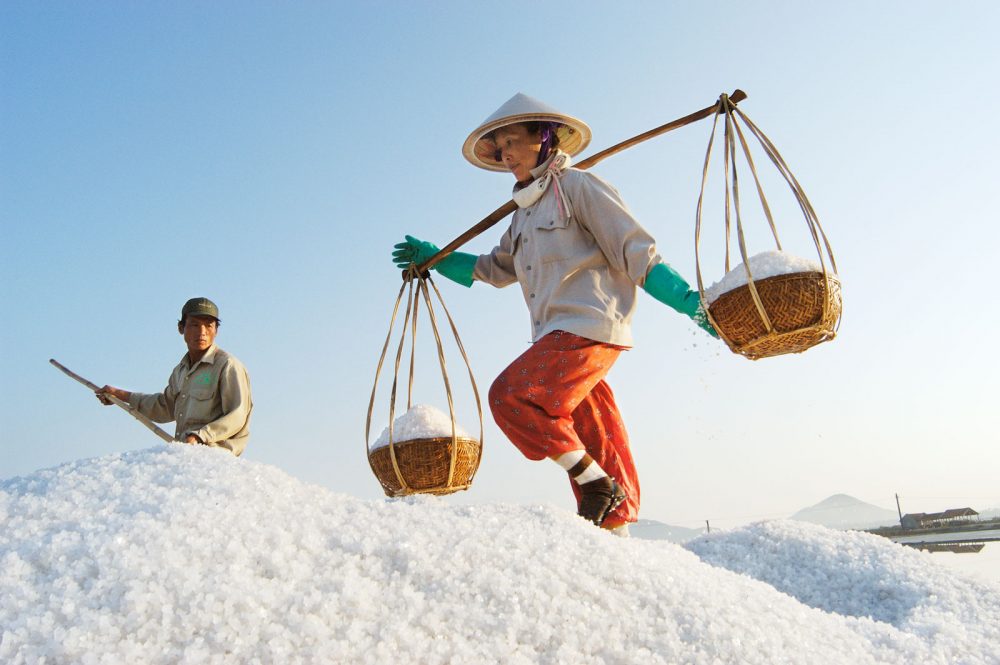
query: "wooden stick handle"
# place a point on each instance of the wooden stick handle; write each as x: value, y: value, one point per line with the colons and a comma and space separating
x: 73, y: 375
x: 509, y: 207
x: 117, y: 402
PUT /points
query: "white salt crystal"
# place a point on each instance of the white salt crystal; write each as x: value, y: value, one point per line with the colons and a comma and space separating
x: 422, y: 421
x: 762, y: 266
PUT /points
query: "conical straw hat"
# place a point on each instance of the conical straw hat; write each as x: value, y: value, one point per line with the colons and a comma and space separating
x: 574, y: 134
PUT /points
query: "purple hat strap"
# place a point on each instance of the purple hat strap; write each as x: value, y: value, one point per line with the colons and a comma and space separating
x: 548, y: 134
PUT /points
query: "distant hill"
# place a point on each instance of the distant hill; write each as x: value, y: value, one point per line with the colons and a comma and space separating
x: 841, y: 511
x: 653, y: 530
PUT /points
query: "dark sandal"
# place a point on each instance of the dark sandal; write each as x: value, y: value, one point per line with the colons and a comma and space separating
x: 617, y: 498
x: 597, y: 502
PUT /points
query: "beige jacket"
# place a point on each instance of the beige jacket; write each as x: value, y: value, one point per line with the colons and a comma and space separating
x: 578, y: 274
x: 210, y: 400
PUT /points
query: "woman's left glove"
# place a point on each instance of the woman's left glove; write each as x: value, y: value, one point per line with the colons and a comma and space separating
x: 667, y: 286
x: 457, y: 266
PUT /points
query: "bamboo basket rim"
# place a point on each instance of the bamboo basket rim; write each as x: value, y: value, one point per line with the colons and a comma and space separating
x: 798, y: 273
x: 426, y: 439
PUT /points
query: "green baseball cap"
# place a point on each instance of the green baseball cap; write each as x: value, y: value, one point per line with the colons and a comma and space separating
x: 200, y: 307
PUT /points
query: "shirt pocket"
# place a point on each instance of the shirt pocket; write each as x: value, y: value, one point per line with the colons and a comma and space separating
x: 557, y: 239
x: 200, y: 404
x: 202, y: 392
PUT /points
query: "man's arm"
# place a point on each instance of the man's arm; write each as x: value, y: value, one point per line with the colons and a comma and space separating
x: 158, y: 407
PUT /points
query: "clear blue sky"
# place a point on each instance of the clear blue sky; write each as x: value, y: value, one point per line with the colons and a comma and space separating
x: 268, y: 156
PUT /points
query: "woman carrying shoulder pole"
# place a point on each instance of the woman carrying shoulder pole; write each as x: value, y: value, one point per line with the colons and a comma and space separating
x: 578, y: 255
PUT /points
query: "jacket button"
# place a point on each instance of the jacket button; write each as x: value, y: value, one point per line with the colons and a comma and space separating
x: 551, y: 223
x: 528, y: 213
x: 528, y: 268
x: 532, y: 295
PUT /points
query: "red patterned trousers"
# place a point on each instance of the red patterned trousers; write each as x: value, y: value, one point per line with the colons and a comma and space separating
x: 553, y: 399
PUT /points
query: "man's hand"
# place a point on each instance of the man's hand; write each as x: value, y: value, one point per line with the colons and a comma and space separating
x: 102, y: 394
x: 192, y: 440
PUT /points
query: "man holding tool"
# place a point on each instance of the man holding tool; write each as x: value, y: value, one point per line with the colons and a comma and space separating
x: 208, y: 393
x: 578, y: 255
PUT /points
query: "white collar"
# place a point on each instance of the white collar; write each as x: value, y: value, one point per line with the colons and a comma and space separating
x: 545, y: 174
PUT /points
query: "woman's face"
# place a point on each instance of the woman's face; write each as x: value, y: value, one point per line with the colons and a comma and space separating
x: 518, y: 149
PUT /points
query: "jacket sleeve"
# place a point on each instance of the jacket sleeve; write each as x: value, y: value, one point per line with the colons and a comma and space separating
x: 599, y: 209
x: 236, y: 403
x: 158, y: 407
x: 497, y: 267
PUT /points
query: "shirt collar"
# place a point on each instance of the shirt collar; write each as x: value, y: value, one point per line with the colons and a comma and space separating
x: 208, y: 358
x: 538, y: 170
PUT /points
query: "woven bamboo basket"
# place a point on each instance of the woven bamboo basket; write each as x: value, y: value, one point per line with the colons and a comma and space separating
x: 787, y: 313
x: 803, y: 308
x: 424, y: 465
x: 434, y: 465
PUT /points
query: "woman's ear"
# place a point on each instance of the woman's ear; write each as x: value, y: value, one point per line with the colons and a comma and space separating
x: 180, y: 327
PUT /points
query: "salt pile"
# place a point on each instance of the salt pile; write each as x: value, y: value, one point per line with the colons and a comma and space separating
x: 188, y: 555
x: 762, y: 266
x: 421, y: 421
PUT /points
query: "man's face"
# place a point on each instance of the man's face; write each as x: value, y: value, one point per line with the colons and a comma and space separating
x: 199, y: 333
x: 518, y: 149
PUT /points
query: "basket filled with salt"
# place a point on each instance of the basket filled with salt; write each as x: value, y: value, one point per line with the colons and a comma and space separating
x: 423, y: 447
x: 800, y: 303
x: 424, y: 451
x: 774, y: 302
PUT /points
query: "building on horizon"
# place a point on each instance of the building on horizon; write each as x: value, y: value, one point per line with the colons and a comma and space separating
x: 949, y: 517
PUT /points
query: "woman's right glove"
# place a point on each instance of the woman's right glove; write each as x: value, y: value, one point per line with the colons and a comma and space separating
x: 667, y: 286
x: 457, y: 266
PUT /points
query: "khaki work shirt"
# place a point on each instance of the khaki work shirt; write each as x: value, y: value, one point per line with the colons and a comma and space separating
x: 210, y: 400
x: 578, y: 274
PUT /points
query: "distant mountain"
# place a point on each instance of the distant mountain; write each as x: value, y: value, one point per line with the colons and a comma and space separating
x: 841, y: 511
x: 653, y: 530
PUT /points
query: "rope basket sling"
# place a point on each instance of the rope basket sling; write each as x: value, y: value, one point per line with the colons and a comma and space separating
x: 785, y: 313
x: 431, y: 465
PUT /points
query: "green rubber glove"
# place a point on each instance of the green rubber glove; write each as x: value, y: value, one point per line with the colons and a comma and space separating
x: 667, y: 286
x: 457, y: 266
